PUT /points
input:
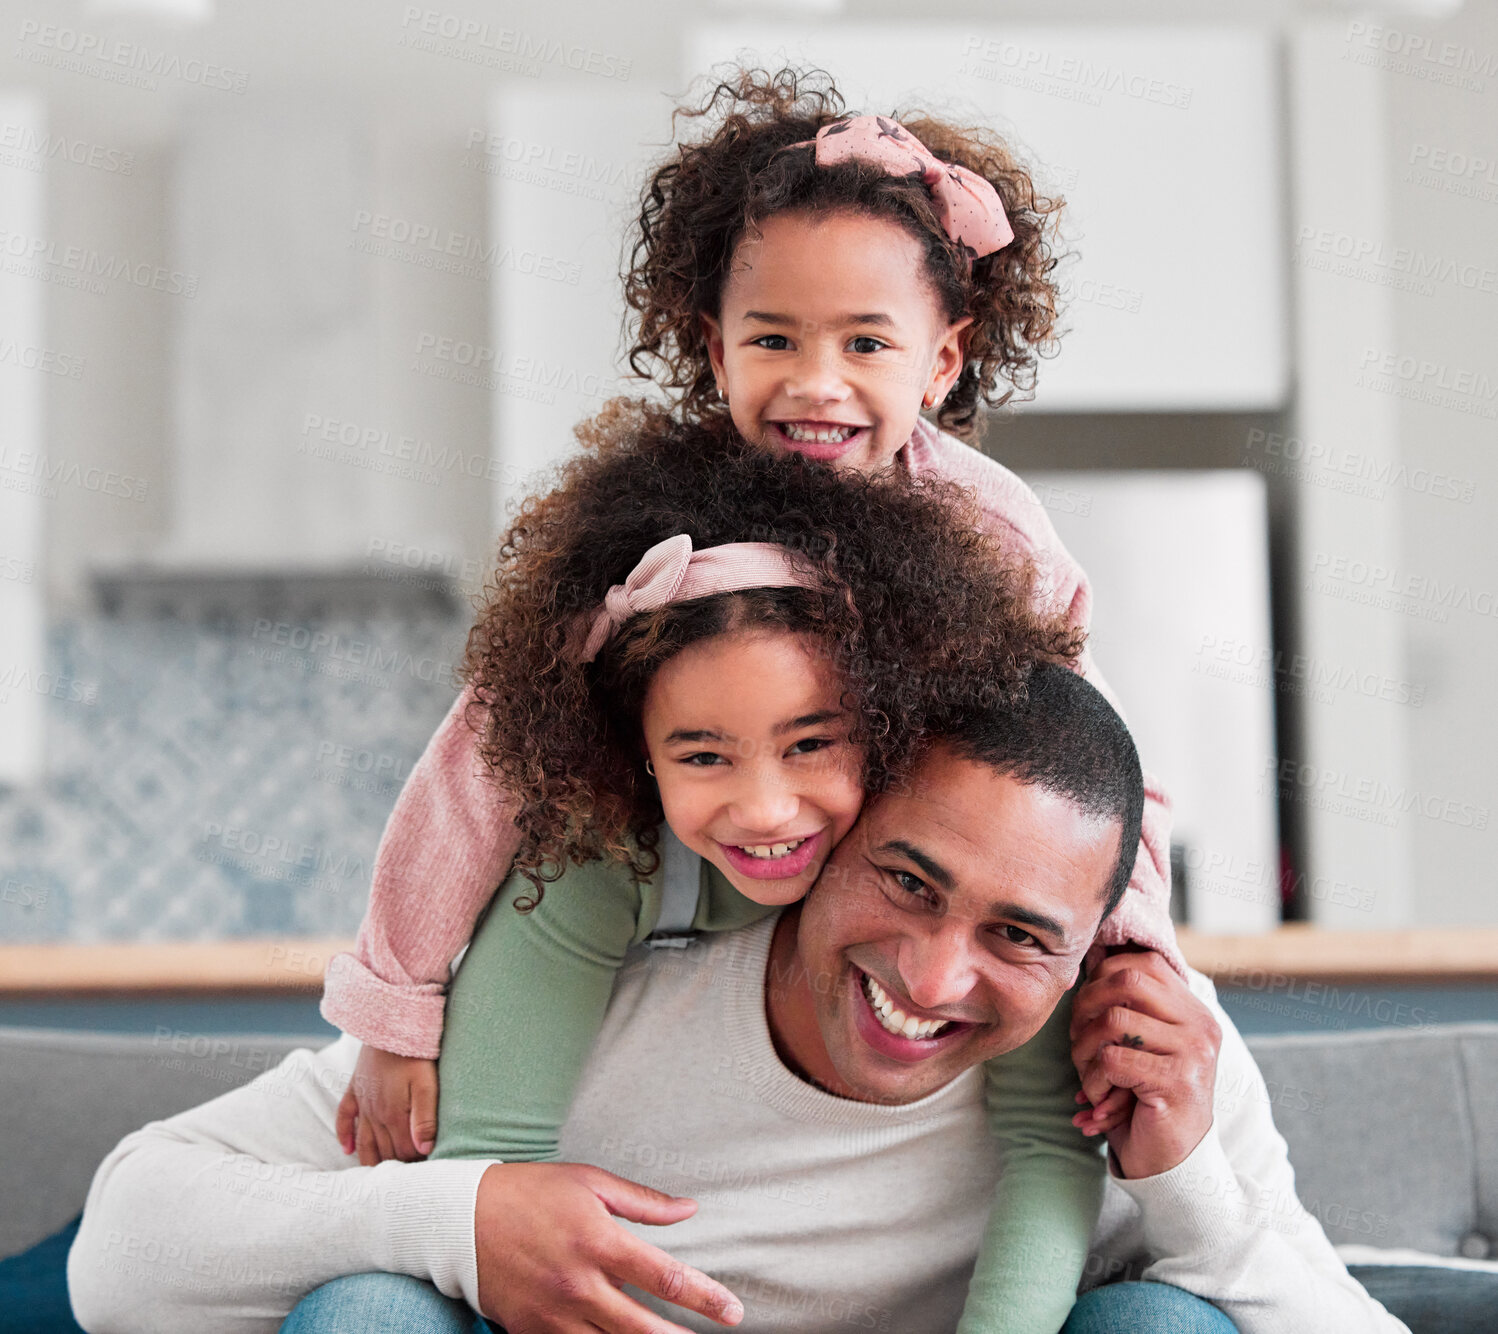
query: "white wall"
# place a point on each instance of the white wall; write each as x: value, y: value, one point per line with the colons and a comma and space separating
x: 1442, y: 140
x: 25, y: 467
x: 1165, y: 143
x: 1179, y: 567
x: 303, y: 425
x: 1353, y: 759
x: 566, y: 168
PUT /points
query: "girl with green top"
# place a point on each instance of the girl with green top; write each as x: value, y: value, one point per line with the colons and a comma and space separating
x: 687, y: 696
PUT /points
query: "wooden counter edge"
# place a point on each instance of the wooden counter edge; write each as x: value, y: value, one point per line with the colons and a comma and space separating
x: 276, y: 966
x: 294, y: 965
x: 1414, y: 956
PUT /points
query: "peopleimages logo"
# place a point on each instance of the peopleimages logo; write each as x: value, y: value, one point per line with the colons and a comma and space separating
x: 510, y: 49
x: 1418, y: 55
x: 1351, y: 470
x: 1365, y: 257
x: 1003, y: 61
x: 1370, y: 798
x: 1391, y: 588
x: 46, y: 360
x: 447, y: 251
x: 37, y: 256
x: 27, y: 147
x: 1238, y: 660
x: 108, y: 59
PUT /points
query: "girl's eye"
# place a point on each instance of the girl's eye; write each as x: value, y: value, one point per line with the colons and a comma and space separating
x: 702, y: 759
x: 810, y: 745
x: 772, y: 342
x: 863, y: 343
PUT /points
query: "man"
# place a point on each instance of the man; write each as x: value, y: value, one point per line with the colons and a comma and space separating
x: 811, y: 1080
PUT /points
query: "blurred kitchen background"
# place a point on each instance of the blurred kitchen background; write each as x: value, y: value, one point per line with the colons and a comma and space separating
x: 296, y: 301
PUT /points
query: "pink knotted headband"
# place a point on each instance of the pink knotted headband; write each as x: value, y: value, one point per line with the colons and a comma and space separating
x: 968, y: 207
x: 672, y: 572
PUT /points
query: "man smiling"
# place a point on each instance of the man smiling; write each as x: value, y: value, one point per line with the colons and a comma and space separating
x: 812, y: 1080
x: 974, y: 934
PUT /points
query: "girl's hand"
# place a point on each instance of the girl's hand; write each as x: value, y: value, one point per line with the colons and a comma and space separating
x: 390, y: 1108
x: 1113, y: 1109
x: 1136, y: 1026
x: 1114, y: 1105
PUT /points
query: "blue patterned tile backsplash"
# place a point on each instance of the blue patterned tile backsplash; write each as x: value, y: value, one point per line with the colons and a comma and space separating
x: 220, y: 777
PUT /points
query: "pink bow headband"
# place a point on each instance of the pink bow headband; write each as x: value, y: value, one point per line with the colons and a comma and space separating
x: 969, y: 208
x: 672, y: 572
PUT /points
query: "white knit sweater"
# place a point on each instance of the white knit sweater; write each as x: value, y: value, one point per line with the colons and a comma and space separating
x: 820, y: 1213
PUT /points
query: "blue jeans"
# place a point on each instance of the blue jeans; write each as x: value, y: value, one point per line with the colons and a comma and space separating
x: 1144, y: 1308
x: 1434, y: 1301
x: 371, y: 1303
x: 365, y: 1303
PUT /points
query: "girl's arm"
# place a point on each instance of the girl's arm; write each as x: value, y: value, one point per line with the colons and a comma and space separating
x: 526, y: 1006
x: 1048, y: 1197
x: 531, y: 995
x: 447, y: 846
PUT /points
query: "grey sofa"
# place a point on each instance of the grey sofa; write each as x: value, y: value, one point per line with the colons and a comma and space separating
x: 1393, y: 1132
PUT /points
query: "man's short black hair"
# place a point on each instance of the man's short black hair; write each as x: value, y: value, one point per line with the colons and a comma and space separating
x: 1063, y: 737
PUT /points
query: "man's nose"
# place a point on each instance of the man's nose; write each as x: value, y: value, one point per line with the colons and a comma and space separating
x: 938, y: 965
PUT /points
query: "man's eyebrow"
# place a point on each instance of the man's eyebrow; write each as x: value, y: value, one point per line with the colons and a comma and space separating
x: 934, y: 869
x: 808, y: 720
x: 1029, y: 917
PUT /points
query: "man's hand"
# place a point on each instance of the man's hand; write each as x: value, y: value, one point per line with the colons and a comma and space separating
x: 389, y: 1109
x: 1137, y: 1027
x: 551, y: 1258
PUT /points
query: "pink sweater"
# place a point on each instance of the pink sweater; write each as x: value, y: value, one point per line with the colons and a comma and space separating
x: 450, y: 841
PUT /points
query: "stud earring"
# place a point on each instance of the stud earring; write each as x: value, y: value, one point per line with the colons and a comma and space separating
x: 650, y: 768
x: 929, y: 400
x: 723, y: 393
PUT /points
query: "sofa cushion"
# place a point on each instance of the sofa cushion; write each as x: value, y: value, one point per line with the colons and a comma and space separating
x: 66, y: 1099
x: 1392, y: 1131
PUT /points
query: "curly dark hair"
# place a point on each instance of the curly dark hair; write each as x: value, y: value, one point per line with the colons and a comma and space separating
x: 916, y: 608
x: 697, y: 206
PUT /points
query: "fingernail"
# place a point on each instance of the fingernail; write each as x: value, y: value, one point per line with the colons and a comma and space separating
x: 733, y: 1312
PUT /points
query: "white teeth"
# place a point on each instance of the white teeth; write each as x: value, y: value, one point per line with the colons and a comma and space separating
x: 894, y: 1019
x: 823, y: 435
x: 766, y: 851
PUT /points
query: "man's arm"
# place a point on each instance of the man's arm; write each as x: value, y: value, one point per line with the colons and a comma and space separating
x: 1211, y: 1175
x: 224, y: 1216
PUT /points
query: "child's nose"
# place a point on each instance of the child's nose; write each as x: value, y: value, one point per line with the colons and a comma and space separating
x: 816, y: 380
x: 763, y: 807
